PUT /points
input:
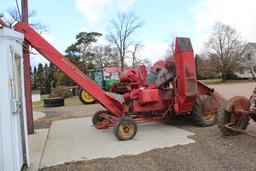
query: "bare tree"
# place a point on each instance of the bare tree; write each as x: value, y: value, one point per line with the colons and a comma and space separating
x: 15, y: 16
x: 134, y: 52
x: 225, y: 48
x: 205, y: 67
x: 171, y: 47
x: 105, y: 56
x: 121, y: 31
x: 143, y: 62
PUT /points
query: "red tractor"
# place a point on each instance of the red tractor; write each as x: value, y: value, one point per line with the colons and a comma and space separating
x: 170, y: 89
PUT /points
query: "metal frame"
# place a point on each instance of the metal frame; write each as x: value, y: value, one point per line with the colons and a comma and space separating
x: 144, y: 101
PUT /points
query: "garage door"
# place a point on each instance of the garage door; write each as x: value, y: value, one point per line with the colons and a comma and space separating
x: 1, y: 160
x: 1, y: 152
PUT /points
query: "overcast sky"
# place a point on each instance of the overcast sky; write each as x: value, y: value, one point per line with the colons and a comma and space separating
x: 162, y: 18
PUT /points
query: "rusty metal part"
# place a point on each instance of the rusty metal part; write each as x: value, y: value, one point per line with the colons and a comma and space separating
x: 238, y: 103
x: 107, y: 120
x: 237, y: 115
x: 228, y: 126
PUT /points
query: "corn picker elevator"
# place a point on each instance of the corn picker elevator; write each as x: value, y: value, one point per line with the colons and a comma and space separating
x: 170, y: 89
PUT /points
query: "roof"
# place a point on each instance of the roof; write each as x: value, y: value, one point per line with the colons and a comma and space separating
x: 253, y: 45
x: 118, y: 69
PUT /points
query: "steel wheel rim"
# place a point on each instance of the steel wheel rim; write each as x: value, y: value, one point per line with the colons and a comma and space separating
x: 126, y: 130
x: 208, y: 115
x: 87, y: 97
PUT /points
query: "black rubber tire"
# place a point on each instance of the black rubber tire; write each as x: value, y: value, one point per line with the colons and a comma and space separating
x: 254, y: 117
x: 122, y: 120
x: 223, y: 119
x: 197, y: 113
x: 54, y: 102
x: 96, y: 117
x: 82, y: 100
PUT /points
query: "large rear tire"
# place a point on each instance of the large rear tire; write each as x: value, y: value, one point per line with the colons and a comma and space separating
x: 85, y: 97
x: 225, y: 117
x: 254, y: 117
x: 201, y: 114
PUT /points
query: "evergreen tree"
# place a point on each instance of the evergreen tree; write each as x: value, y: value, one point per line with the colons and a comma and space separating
x: 40, y: 76
x: 34, y: 80
x: 52, y: 69
x: 47, y: 82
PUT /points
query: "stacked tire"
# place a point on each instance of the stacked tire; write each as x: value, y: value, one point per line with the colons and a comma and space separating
x: 54, y: 102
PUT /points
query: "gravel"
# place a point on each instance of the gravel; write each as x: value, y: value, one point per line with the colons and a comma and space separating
x: 212, y: 151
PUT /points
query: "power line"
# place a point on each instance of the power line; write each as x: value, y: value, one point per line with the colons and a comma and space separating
x: 18, y: 8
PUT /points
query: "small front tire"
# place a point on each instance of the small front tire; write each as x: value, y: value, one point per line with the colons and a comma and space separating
x: 97, y: 119
x: 125, y: 128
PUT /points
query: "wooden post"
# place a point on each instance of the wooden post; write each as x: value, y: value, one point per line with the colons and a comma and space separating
x: 26, y: 56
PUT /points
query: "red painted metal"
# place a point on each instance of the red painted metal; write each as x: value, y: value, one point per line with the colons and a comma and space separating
x: 29, y: 110
x: 204, y: 89
x: 144, y: 101
x: 26, y: 56
x: 137, y: 75
x: 237, y: 104
x: 118, y: 69
x: 185, y: 86
x: 67, y: 67
x: 148, y: 96
x: 3, y: 23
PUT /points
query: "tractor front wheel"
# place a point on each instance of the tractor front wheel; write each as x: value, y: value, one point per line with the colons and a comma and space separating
x: 125, y: 128
x: 98, y: 121
x: 202, y: 115
x: 237, y: 121
x: 85, y: 97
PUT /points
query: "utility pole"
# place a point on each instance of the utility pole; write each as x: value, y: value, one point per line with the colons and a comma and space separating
x: 26, y: 56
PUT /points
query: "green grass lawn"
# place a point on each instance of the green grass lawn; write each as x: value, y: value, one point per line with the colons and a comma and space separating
x: 74, y: 100
x: 219, y: 81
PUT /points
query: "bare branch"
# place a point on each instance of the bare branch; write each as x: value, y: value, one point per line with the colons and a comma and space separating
x: 14, y: 16
x: 120, y: 33
x: 225, y: 49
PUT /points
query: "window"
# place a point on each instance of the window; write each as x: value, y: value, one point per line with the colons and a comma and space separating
x: 254, y: 68
x: 241, y: 71
x: 249, y: 56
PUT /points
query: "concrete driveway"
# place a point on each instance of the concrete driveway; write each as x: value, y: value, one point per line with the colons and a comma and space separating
x: 76, y: 139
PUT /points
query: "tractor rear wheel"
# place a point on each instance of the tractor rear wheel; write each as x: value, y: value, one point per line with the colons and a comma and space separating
x: 201, y: 113
x: 226, y: 117
x: 98, y: 120
x: 85, y: 97
x: 125, y: 128
x: 254, y: 117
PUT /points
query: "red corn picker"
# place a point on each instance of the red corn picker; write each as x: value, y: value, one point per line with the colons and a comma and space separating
x: 170, y: 89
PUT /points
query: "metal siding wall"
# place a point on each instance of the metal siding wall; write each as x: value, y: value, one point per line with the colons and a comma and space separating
x: 1, y: 152
x: 10, y: 152
x: 7, y: 150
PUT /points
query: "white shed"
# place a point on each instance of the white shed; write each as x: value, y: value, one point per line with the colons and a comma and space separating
x: 14, y: 151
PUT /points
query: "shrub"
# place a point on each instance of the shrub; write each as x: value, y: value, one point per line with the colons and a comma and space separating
x: 61, y: 91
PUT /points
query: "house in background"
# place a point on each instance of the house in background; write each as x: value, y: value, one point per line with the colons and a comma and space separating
x: 249, y: 61
x: 36, y: 95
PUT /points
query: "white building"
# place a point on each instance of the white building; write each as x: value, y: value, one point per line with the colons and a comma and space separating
x: 14, y: 152
x: 249, y: 60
